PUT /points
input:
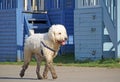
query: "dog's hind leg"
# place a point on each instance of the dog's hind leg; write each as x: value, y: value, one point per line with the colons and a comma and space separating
x: 38, y: 58
x: 45, y: 72
x: 27, y: 59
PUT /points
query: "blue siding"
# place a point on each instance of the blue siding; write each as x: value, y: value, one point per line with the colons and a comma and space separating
x: 88, y: 33
x: 8, y: 35
x: 69, y: 14
x: 58, y: 14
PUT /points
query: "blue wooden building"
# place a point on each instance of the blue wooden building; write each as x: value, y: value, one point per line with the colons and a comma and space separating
x: 92, y: 26
x: 96, y: 29
x: 18, y: 16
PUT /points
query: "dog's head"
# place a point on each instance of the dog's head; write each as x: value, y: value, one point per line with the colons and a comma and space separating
x: 58, y: 34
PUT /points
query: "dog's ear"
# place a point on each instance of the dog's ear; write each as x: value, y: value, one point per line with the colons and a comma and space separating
x: 51, y: 33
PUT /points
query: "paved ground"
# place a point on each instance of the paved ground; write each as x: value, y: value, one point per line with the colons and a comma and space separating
x: 10, y: 73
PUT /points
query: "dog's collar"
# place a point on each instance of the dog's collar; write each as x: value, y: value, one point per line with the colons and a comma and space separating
x: 48, y: 47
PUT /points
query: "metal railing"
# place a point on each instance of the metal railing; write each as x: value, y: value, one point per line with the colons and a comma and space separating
x: 26, y: 26
x: 87, y: 3
x: 33, y: 5
x: 111, y: 6
x: 8, y: 4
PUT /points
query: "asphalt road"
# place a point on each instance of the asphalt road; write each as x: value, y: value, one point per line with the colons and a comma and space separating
x: 10, y: 73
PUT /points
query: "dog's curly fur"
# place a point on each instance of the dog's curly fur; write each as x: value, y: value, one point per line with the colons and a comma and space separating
x: 55, y: 37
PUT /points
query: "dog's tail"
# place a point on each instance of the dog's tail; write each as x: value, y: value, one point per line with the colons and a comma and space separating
x: 31, y: 32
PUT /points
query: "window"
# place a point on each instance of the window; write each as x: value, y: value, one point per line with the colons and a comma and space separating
x: 55, y: 4
x: 9, y: 4
x: 70, y: 40
x: 3, y: 4
x: 14, y: 3
x: 41, y: 4
x: 0, y: 4
x: 69, y: 3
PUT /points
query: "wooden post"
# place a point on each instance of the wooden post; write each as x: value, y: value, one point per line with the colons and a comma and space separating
x: 34, y: 6
x: 118, y: 27
x: 26, y: 5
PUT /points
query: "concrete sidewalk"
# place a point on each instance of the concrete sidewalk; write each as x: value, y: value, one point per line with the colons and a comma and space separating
x: 10, y: 73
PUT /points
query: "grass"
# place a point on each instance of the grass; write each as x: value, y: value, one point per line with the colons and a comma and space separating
x: 68, y: 60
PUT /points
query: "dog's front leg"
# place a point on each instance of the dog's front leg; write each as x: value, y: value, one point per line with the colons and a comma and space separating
x: 49, y: 66
x: 49, y: 55
x: 52, y: 70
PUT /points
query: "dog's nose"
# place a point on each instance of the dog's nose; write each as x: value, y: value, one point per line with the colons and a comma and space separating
x: 65, y: 38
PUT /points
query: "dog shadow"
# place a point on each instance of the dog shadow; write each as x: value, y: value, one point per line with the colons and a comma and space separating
x: 16, y: 78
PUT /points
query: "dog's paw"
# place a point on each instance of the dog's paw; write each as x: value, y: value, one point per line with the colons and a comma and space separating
x: 39, y: 77
x: 21, y: 74
x: 45, y: 77
x: 55, y: 77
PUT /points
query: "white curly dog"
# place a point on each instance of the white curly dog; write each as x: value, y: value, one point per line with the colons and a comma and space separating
x: 44, y: 47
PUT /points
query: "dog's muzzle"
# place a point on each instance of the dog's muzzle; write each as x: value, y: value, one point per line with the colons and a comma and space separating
x: 62, y: 42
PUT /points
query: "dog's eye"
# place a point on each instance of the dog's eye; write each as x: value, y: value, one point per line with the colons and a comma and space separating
x: 59, y: 33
